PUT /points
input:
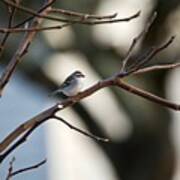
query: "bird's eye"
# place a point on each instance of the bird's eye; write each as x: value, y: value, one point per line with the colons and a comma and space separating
x: 78, y: 74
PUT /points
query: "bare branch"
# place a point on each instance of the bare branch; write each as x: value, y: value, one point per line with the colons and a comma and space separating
x: 152, y: 52
x: 10, y: 23
x: 136, y: 40
x: 20, y: 52
x: 32, y: 17
x: 23, y: 47
x: 80, y: 21
x: 147, y: 95
x: 71, y: 13
x: 37, y: 29
x: 23, y: 170
x: 157, y: 68
x: 82, y: 15
x: 10, y: 170
x: 30, y: 125
x: 21, y: 133
x: 97, y: 138
x: 19, y: 141
x: 33, y: 123
x: 26, y: 126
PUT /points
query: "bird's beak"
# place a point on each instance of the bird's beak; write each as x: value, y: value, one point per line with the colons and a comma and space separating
x: 82, y: 75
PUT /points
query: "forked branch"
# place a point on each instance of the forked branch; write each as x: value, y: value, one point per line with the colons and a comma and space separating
x: 20, y: 134
x: 97, y: 138
x: 21, y: 50
x: 79, y: 21
x: 34, y: 27
x: 12, y: 173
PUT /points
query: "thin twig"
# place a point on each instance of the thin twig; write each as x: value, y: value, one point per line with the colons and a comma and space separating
x: 19, y: 30
x: 10, y: 23
x: 30, y: 125
x: 97, y: 138
x: 20, y: 52
x: 32, y: 17
x: 85, y: 16
x: 147, y: 95
x: 33, y: 123
x: 19, y: 142
x: 143, y: 56
x: 10, y: 170
x: 82, y: 15
x: 20, y: 134
x: 80, y: 21
x: 23, y: 170
x: 23, y: 47
x: 136, y: 40
x: 152, y: 52
x: 156, y: 68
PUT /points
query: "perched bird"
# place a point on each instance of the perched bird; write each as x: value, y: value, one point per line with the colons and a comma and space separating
x: 71, y: 86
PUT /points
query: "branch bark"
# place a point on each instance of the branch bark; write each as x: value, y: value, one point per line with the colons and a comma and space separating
x: 30, y: 125
x: 21, y: 133
x: 12, y: 173
x: 79, y: 21
x: 21, y: 51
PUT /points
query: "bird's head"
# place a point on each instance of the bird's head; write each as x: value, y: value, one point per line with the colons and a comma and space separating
x: 78, y: 74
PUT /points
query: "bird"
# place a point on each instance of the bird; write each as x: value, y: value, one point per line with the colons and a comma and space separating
x: 71, y: 86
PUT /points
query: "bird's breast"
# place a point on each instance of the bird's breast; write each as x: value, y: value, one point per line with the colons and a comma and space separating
x: 74, y: 88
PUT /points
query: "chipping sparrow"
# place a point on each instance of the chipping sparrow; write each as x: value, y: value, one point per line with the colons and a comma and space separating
x: 71, y: 86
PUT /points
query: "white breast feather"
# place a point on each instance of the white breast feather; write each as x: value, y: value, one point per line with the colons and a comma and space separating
x: 74, y: 88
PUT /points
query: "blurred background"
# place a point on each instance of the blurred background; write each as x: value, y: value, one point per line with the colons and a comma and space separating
x: 145, y: 141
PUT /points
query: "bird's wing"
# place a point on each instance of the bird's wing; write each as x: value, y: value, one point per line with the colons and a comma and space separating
x: 67, y: 82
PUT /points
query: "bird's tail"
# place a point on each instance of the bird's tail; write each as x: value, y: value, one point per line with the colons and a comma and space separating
x: 54, y: 93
